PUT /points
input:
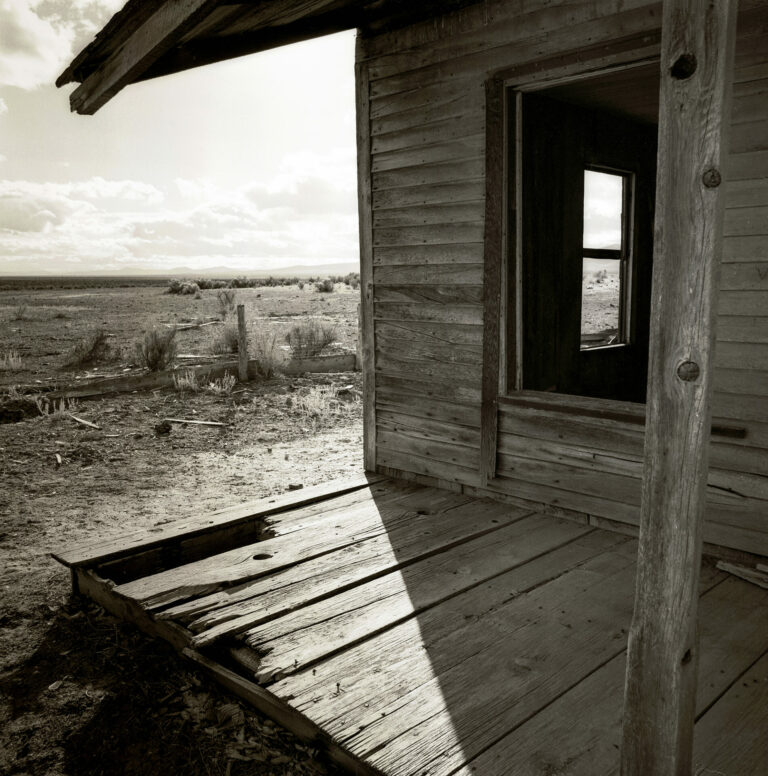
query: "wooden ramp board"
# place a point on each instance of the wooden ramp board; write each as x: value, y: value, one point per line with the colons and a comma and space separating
x: 419, y: 632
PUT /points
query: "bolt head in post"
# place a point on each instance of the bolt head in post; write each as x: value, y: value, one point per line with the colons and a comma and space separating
x: 688, y: 371
x: 711, y: 178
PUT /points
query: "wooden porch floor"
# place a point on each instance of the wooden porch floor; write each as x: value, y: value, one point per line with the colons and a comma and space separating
x: 416, y: 631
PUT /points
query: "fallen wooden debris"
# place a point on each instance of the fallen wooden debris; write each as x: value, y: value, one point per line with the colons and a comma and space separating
x: 84, y: 422
x: 757, y: 576
x: 185, y: 326
x: 208, y: 372
x: 195, y: 422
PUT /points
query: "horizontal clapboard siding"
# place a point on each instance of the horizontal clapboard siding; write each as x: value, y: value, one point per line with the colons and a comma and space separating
x: 427, y: 124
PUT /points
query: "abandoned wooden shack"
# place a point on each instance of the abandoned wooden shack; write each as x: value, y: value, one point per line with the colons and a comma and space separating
x: 467, y: 606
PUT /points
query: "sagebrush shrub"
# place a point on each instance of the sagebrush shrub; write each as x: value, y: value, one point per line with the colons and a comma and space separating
x: 157, y: 350
x: 310, y: 338
x: 226, y: 341
x: 265, y: 351
x: 226, y: 297
x: 94, y: 348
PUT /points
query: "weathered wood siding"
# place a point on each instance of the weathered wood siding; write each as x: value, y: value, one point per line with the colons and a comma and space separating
x: 427, y: 123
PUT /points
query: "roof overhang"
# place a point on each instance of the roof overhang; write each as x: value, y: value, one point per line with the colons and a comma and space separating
x: 150, y: 38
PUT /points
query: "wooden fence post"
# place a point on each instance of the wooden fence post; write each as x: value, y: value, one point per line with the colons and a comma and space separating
x: 242, y: 345
x: 662, y: 660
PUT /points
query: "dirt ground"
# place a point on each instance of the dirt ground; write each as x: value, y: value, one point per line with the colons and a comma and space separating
x: 80, y: 692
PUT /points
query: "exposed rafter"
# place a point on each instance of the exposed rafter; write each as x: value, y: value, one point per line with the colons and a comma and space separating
x: 147, y: 43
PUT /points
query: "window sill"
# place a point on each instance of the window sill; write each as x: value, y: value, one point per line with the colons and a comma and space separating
x: 602, y: 409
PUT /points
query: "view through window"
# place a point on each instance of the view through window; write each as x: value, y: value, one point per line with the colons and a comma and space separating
x: 604, y: 259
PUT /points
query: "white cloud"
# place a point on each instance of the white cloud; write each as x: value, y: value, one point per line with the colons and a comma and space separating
x: 131, y: 223
x: 39, y: 39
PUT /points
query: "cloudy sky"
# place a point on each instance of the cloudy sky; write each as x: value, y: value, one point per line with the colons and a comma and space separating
x: 248, y: 164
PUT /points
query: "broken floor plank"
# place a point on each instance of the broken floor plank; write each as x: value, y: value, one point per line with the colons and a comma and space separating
x: 234, y: 611
x: 564, y: 738
x: 345, y: 527
x: 302, y: 637
x: 196, y: 547
x: 101, y: 550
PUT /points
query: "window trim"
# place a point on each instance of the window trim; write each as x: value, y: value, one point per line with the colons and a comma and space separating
x: 502, y: 324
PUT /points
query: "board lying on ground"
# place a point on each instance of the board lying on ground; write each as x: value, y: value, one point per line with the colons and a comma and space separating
x: 412, y: 630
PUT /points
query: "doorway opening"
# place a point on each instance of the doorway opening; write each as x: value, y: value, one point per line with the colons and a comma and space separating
x: 586, y: 196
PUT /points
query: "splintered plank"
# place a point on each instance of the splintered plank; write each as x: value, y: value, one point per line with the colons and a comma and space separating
x: 429, y: 531
x: 579, y: 734
x: 731, y: 737
x: 330, y: 531
x: 422, y: 697
x: 102, y: 550
x: 300, y: 638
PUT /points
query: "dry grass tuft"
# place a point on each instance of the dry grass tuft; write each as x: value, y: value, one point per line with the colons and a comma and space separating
x: 54, y: 411
x: 186, y: 382
x: 226, y: 341
x: 267, y: 354
x: 21, y: 313
x: 222, y: 386
x: 11, y: 361
x: 320, y: 407
x: 157, y: 350
x: 92, y: 349
x: 310, y: 339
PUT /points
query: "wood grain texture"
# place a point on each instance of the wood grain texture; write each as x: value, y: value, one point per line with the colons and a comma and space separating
x: 334, y: 530
x: 439, y: 704
x: 743, y: 713
x: 458, y: 520
x: 295, y: 641
x: 495, y: 253
x: 663, y: 650
x: 579, y: 733
x: 365, y: 216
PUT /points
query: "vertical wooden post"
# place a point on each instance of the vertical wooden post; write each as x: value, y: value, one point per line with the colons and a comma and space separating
x: 493, y: 253
x: 359, y: 344
x: 242, y: 345
x: 364, y: 204
x: 660, y: 692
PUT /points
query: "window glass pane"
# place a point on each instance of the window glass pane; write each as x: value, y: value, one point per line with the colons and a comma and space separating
x: 603, y: 197
x: 600, y: 302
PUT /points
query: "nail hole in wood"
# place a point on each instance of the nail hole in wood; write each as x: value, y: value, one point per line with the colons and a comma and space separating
x: 686, y: 657
x: 688, y: 371
x: 684, y: 67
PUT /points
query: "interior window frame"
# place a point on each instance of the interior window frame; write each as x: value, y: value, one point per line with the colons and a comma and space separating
x: 624, y: 254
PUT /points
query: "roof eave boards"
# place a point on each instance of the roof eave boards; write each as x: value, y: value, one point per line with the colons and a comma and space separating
x: 156, y: 35
x: 146, y: 40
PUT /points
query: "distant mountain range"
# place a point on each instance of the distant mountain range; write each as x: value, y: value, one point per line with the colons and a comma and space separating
x: 23, y: 269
